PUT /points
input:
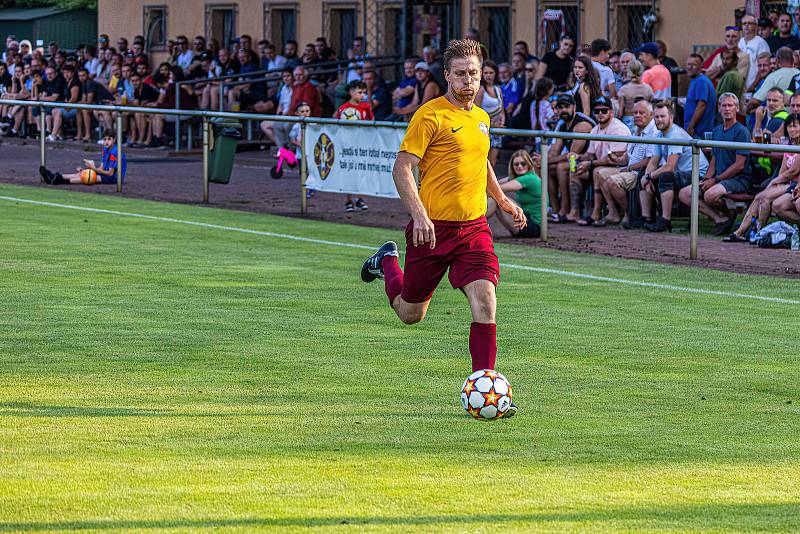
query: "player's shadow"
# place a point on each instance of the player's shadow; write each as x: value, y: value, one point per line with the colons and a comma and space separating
x: 748, y: 517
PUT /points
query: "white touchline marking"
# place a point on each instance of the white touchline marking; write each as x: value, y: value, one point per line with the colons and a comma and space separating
x: 367, y: 247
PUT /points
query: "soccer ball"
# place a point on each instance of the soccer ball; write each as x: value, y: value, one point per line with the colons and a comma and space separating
x: 486, y: 394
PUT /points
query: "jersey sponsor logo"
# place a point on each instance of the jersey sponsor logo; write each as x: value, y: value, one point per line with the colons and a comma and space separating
x: 324, y: 155
x: 483, y: 127
x: 454, y: 130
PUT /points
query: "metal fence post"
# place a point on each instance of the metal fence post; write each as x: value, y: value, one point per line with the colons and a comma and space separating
x: 119, y: 152
x: 544, y: 176
x: 178, y: 118
x: 222, y: 96
x: 694, y: 215
x: 205, y: 159
x: 303, y: 170
x: 42, y: 134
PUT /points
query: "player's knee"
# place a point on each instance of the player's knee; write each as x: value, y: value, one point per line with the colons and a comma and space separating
x: 412, y: 316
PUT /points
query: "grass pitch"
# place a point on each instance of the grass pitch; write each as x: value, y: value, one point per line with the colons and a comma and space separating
x: 157, y: 376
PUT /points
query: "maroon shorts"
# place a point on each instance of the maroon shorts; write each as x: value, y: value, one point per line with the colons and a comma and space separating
x: 466, y: 248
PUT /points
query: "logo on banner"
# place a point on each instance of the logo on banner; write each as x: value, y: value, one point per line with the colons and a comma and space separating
x: 323, y: 155
x: 484, y: 128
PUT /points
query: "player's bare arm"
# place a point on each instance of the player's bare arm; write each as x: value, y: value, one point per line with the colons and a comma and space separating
x: 494, y: 190
x: 407, y: 189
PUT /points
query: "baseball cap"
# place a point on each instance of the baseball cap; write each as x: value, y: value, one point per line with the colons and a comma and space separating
x: 764, y: 23
x: 422, y: 65
x: 602, y: 102
x: 648, y: 48
x: 205, y: 56
x: 566, y: 99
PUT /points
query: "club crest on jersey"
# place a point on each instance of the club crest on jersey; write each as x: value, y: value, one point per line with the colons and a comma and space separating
x: 483, y: 127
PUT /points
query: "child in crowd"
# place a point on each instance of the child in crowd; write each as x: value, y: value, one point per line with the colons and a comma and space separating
x: 91, y: 174
x: 355, y: 109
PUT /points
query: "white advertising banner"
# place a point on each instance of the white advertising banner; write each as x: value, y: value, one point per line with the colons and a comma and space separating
x: 346, y: 159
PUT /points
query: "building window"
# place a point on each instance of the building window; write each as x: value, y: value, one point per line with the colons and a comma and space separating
x: 155, y: 27
x: 389, y: 41
x: 340, y: 23
x: 221, y: 23
x: 631, y: 23
x: 280, y: 23
x: 494, y: 25
x: 556, y: 17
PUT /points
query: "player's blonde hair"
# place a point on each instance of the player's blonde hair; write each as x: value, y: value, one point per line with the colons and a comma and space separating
x: 519, y: 154
x: 461, y: 48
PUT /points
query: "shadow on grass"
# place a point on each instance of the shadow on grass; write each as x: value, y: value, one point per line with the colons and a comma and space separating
x: 28, y: 409
x: 740, y: 517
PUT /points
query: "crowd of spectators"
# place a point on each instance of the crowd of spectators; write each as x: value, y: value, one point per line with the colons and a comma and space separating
x: 740, y: 92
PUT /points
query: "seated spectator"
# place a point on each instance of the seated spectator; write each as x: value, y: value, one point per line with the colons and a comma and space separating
x: 624, y: 60
x: 271, y: 60
x: 727, y: 173
x: 781, y: 78
x: 598, y: 156
x: 226, y: 66
x: 731, y: 80
x: 784, y: 36
x: 426, y: 90
x: 700, y: 109
x: 145, y: 96
x: 90, y: 59
x: 600, y: 49
x: 656, y: 76
x: 614, y: 65
x: 377, y: 96
x: 490, y: 99
x: 586, y: 88
x: 753, y: 45
x: 72, y: 94
x: 542, y: 113
x: 511, y: 91
x: 670, y: 166
x: 290, y: 53
x: 93, y: 93
x: 278, y: 132
x: 355, y: 109
x: 557, y: 158
x: 92, y: 174
x: 245, y: 96
x: 521, y: 47
x: 404, y: 93
x: 167, y: 100
x: 765, y: 28
x: 51, y: 90
x: 787, y: 206
x: 526, y: 184
x: 304, y: 91
x: 616, y: 185
x: 784, y: 183
x: 435, y: 66
x: 713, y: 65
x: 102, y: 73
x: 769, y: 122
x: 19, y: 91
x: 557, y: 65
x: 632, y: 91
x: 143, y: 70
x: 180, y: 53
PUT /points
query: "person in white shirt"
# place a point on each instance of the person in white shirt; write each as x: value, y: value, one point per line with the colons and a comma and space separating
x: 753, y: 45
x: 278, y: 132
x: 608, y: 83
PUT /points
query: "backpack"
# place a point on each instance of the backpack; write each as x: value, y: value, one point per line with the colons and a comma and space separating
x: 774, y: 235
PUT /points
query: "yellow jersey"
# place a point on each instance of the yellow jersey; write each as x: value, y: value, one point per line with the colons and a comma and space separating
x: 452, y: 145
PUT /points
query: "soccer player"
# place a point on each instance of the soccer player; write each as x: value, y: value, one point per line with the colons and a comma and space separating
x: 91, y: 174
x: 448, y: 140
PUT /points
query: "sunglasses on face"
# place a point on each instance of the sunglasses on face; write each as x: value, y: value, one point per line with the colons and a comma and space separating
x: 598, y: 111
x: 528, y: 70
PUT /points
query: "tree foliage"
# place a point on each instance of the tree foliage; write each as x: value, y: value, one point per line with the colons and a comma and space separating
x: 72, y: 4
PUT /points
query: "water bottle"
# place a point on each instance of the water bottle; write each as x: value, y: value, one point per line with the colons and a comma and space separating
x: 573, y: 163
x: 796, y: 239
x: 751, y: 235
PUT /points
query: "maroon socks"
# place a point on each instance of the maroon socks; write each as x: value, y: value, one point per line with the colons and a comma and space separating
x: 393, y: 276
x: 482, y: 345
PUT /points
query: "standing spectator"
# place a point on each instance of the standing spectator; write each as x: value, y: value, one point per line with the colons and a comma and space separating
x: 656, y: 76
x: 473, y: 35
x: 103, y: 43
x: 290, y: 53
x: 731, y: 80
x: 700, y: 109
x: 304, y: 91
x: 490, y: 99
x: 569, y: 120
x: 669, y: 63
x: 614, y: 65
x: 728, y: 171
x: 608, y: 85
x: 323, y: 51
x: 52, y: 48
x: 631, y: 92
x: 713, y: 64
x: 557, y: 65
x: 624, y: 60
x: 784, y: 36
x: 587, y: 87
x: 616, y: 186
x: 542, y: 112
x: 753, y: 45
x: 521, y: 47
x: 762, y: 71
x: 377, y: 96
x: 278, y: 132
x: 122, y: 46
x: 521, y: 118
x: 518, y: 69
x: 426, y: 90
x: 509, y: 87
x: 355, y: 109
x: 766, y: 28
x: 599, y: 155
x: 670, y: 166
x: 781, y: 78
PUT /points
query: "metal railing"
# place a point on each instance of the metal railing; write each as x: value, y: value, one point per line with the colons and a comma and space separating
x: 695, y: 144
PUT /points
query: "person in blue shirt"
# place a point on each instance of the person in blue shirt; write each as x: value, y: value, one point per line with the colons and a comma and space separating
x: 509, y: 87
x: 700, y: 110
x: 670, y: 168
x: 727, y: 173
x: 91, y: 174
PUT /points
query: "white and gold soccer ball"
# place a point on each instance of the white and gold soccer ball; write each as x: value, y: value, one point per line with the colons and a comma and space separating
x: 486, y: 394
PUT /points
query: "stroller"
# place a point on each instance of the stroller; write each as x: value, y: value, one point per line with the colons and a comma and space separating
x: 285, y: 157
